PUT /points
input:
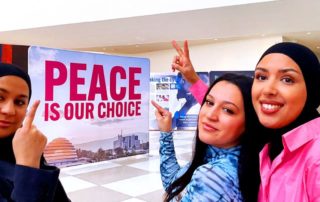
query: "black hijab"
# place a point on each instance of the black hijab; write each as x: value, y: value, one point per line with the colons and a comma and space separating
x: 310, y: 68
x: 6, y: 151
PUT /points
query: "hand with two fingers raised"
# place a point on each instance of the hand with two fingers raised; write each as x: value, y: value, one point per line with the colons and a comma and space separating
x: 182, y: 63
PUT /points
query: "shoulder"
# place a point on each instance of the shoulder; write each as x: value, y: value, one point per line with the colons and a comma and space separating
x: 221, y: 173
x: 213, y: 181
x: 312, y: 151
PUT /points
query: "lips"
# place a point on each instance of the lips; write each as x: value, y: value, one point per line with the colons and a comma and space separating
x: 5, y: 124
x: 209, y: 127
x: 270, y: 107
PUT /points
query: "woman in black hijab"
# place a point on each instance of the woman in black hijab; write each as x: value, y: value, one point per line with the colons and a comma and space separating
x: 24, y: 174
x: 285, y: 95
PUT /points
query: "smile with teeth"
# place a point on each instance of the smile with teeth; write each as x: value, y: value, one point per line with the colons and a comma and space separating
x: 270, y: 107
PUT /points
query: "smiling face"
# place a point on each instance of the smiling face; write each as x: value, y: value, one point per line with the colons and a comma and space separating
x: 14, y: 98
x: 279, y: 91
x: 222, y: 117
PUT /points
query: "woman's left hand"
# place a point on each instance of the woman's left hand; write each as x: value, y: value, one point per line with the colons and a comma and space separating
x: 164, y: 118
x: 28, y: 142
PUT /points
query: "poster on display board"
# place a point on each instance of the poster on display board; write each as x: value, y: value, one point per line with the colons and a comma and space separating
x: 171, y: 91
x: 91, y: 104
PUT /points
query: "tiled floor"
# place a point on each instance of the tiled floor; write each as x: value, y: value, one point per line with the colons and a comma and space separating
x: 131, y: 179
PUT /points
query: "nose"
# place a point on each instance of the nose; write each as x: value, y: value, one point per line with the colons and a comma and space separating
x: 7, y: 108
x: 270, y: 88
x: 213, y: 113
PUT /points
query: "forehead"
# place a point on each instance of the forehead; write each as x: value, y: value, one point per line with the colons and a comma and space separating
x: 278, y: 61
x: 226, y: 91
x: 14, y: 84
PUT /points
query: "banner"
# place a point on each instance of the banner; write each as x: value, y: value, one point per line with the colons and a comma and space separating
x: 94, y: 107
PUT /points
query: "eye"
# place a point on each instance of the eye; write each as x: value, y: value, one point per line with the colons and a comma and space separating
x: 19, y: 102
x: 229, y: 111
x: 209, y: 102
x: 260, y: 77
x: 287, y: 80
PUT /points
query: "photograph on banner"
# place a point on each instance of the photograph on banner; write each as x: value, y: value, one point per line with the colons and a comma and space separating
x: 215, y: 74
x: 171, y: 91
x: 91, y: 104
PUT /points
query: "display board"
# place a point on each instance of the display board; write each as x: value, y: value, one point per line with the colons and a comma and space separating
x: 94, y: 107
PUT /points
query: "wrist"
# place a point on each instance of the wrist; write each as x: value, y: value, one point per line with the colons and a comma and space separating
x: 166, y: 130
x: 29, y: 163
x: 194, y: 79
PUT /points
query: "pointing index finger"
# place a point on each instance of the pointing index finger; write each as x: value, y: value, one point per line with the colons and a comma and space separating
x: 158, y: 107
x: 31, y: 114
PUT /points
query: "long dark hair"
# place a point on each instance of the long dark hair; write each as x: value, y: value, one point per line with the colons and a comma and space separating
x: 244, y: 84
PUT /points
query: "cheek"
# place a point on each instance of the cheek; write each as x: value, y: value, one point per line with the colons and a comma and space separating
x: 296, y: 97
x: 296, y: 104
x: 21, y: 114
x: 201, y: 114
x: 237, y: 127
x: 254, y: 93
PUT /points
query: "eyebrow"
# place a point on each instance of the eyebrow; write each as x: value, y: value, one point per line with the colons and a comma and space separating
x: 285, y: 70
x: 225, y: 102
x: 2, y: 90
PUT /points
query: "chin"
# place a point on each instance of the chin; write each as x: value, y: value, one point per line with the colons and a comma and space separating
x: 269, y: 124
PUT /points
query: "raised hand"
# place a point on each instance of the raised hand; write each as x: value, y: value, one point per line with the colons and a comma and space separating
x: 28, y: 142
x: 163, y: 117
x: 182, y: 63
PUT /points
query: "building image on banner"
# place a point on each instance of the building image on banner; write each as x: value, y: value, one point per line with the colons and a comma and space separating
x: 94, y: 107
x: 171, y: 91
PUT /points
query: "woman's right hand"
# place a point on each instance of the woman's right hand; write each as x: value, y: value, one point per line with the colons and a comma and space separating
x: 164, y: 117
x: 28, y: 142
x: 182, y: 63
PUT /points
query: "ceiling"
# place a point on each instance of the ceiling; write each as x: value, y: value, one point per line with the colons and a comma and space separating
x: 295, y: 20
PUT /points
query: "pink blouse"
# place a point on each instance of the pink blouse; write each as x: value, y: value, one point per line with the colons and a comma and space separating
x: 294, y: 175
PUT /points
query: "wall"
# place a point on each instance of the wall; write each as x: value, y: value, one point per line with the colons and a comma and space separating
x: 233, y: 55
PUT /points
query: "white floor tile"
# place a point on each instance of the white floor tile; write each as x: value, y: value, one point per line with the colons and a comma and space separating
x: 90, y: 167
x: 137, y: 186
x: 188, y: 135
x: 154, y: 152
x: 150, y: 165
x: 71, y: 184
x: 136, y: 157
x: 180, y: 150
x: 133, y: 200
x: 186, y: 143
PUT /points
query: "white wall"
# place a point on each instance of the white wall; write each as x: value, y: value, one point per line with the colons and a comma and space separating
x: 233, y: 55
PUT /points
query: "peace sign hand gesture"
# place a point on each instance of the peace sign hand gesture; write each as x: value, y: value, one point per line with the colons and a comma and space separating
x: 163, y: 117
x: 182, y: 63
x: 28, y: 142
